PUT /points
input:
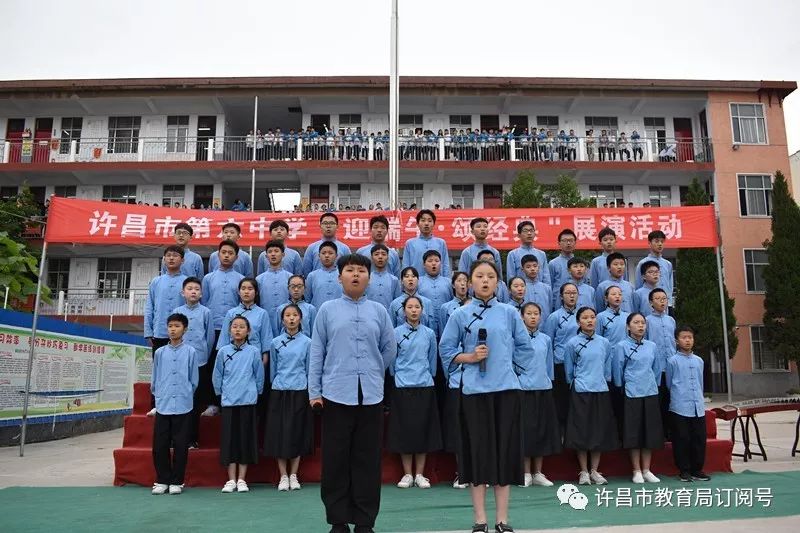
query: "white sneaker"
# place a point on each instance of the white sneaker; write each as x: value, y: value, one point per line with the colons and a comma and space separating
x: 211, y: 410
x: 151, y: 412
x: 583, y: 478
x: 406, y: 481
x: 597, y: 478
x: 528, y: 481
x: 458, y: 485
x: 230, y: 486
x: 159, y: 488
x: 175, y: 489
x: 283, y: 484
x: 637, y: 477
x: 542, y: 481
x: 293, y: 483
x: 422, y: 482
x: 650, y: 477
x: 241, y: 486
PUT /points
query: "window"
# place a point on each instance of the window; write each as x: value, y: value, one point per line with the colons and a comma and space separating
x: 8, y: 192
x: 124, y: 194
x: 464, y: 195
x: 602, y: 123
x: 70, y: 131
x: 547, y: 122
x: 409, y: 122
x: 654, y: 123
x: 350, y: 121
x: 763, y: 357
x: 754, y: 263
x: 660, y: 196
x: 173, y: 194
x: 113, y: 278
x: 748, y: 123
x: 350, y: 195
x: 177, y: 132
x: 755, y: 195
x: 65, y: 191
x: 123, y: 135
x: 58, y: 275
x: 319, y: 193
x: 610, y: 194
x: 410, y: 193
x: 460, y: 122
x: 203, y: 195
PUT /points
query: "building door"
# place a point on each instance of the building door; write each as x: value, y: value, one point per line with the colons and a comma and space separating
x: 206, y: 129
x: 14, y: 130
x: 490, y: 122
x: 518, y: 122
x: 319, y: 122
x: 41, y: 140
x: 683, y: 138
x: 492, y: 196
x: 319, y: 193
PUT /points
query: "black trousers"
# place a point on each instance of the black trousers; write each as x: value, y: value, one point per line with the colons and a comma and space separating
x: 157, y: 343
x: 663, y: 403
x: 351, y: 463
x: 688, y: 442
x: 171, y: 430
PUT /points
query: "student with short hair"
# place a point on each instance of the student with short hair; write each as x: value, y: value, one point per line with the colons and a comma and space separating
x: 661, y: 330
x: 273, y: 283
x: 687, y: 408
x: 238, y: 379
x: 289, y: 432
x: 657, y: 240
x: 615, y: 262
x: 200, y: 336
x: 577, y: 268
x: 541, y: 435
x: 379, y: 230
x: 414, y: 427
x: 416, y: 247
x: 345, y: 379
x: 383, y: 286
x: 323, y: 283
x: 651, y: 273
x: 435, y: 287
x: 244, y: 263
x: 292, y: 262
x: 526, y: 232
x: 516, y: 289
x: 329, y: 225
x: 591, y: 425
x: 459, y: 282
x: 611, y: 321
x: 173, y: 382
x: 409, y: 282
x: 535, y: 289
x: 192, y: 262
x: 634, y: 371
x: 480, y: 231
x: 558, y: 268
x: 561, y: 326
x: 502, y: 293
x: 297, y: 289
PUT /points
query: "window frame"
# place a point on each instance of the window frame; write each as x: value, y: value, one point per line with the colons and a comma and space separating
x: 5, y: 189
x: 69, y: 134
x: 125, y: 275
x: 115, y: 139
x: 613, y: 188
x: 611, y: 130
x: 660, y: 189
x: 462, y: 196
x: 116, y: 198
x: 62, y: 272
x: 739, y: 190
x: 763, y: 117
x: 349, y: 188
x: 413, y: 188
x: 747, y: 266
x: 178, y: 134
x: 762, y: 343
x: 173, y: 188
x: 66, y: 189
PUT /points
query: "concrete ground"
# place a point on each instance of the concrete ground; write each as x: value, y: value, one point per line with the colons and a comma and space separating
x: 87, y: 461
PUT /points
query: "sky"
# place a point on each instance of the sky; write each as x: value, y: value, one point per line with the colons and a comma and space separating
x: 692, y: 39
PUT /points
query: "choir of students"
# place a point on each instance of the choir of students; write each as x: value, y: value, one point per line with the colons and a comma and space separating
x: 567, y: 355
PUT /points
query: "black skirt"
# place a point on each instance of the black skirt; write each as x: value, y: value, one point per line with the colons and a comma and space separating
x: 414, y: 421
x: 290, y: 425
x: 239, y: 442
x: 540, y: 432
x: 561, y: 394
x: 491, y: 438
x: 451, y: 428
x: 642, y: 426
x: 591, y: 425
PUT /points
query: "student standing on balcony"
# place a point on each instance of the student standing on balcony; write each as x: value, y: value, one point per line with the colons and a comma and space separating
x: 329, y: 225
x: 602, y: 145
x: 417, y: 246
x: 572, y: 146
x: 622, y: 145
x: 637, y: 145
x: 590, y: 145
x: 244, y: 263
x: 192, y: 262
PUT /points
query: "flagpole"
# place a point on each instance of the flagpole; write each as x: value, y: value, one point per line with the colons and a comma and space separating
x: 394, y: 110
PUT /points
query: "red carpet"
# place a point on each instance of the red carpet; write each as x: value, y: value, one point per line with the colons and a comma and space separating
x: 134, y: 461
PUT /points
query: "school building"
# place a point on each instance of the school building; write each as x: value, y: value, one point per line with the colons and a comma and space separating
x: 186, y: 141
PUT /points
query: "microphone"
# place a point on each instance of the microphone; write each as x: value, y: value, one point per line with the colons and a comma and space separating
x: 482, y: 342
x: 316, y: 408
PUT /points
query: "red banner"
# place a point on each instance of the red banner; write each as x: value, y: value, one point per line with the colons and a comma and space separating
x: 93, y: 222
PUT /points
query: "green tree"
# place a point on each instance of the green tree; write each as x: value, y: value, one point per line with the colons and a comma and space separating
x: 18, y: 271
x: 15, y: 213
x: 565, y: 193
x: 697, y: 293
x: 782, y: 275
x: 526, y: 191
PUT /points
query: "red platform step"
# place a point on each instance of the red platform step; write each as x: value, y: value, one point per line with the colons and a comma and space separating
x: 134, y: 461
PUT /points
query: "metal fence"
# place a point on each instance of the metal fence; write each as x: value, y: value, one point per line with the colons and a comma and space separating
x: 94, y: 302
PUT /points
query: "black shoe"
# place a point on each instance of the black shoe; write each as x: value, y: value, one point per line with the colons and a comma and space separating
x: 685, y: 477
x: 364, y: 529
x: 480, y: 528
x: 701, y: 476
x: 503, y: 528
x: 340, y: 528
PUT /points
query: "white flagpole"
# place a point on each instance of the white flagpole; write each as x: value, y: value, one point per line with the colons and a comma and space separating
x: 394, y: 110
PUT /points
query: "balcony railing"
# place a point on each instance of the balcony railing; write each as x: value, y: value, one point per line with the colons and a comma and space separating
x: 94, y: 302
x: 373, y: 148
